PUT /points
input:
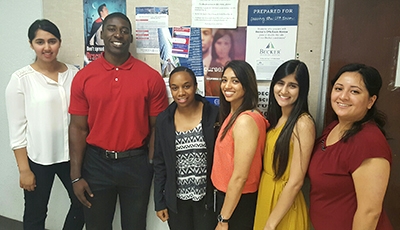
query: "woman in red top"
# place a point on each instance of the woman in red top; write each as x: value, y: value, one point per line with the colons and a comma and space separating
x: 239, y: 147
x: 350, y: 166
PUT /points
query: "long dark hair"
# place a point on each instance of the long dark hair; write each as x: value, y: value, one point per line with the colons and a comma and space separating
x: 247, y: 77
x: 373, y: 82
x: 300, y: 106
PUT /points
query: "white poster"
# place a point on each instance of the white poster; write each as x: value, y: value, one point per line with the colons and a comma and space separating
x: 263, y: 93
x: 271, y: 37
x: 214, y: 13
x: 148, y: 20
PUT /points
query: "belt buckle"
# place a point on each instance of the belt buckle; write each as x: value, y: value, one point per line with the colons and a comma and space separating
x: 109, y: 154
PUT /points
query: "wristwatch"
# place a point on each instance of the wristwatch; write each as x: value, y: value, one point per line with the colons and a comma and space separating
x: 221, y: 219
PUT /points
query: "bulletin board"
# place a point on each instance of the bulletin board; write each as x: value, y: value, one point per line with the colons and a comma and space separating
x: 68, y: 16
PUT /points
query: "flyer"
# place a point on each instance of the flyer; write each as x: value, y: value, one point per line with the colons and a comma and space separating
x: 271, y: 37
x: 148, y: 20
x: 215, y: 13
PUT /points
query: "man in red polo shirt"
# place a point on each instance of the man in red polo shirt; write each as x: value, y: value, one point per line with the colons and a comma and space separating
x: 114, y: 102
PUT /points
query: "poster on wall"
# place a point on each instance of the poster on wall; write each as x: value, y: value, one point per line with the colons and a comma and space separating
x: 219, y: 47
x: 263, y: 95
x: 94, y: 13
x: 180, y: 41
x: 214, y: 13
x: 170, y: 59
x: 148, y: 20
x: 271, y: 37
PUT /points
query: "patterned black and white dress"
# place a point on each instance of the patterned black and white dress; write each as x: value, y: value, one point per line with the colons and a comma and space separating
x: 191, y: 164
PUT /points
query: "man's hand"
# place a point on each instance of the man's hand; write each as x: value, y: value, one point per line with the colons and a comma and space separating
x: 80, y: 187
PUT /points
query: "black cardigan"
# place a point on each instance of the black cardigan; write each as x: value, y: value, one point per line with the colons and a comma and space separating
x: 165, y: 155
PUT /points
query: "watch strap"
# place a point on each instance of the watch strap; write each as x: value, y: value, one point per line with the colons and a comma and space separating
x: 221, y: 219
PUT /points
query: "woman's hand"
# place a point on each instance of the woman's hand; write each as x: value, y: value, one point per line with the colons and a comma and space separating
x: 27, y: 180
x: 222, y: 226
x: 268, y: 228
x: 163, y: 215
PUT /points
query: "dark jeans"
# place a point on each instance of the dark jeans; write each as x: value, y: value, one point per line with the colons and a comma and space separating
x: 36, y: 202
x: 193, y: 216
x: 243, y: 216
x: 128, y: 178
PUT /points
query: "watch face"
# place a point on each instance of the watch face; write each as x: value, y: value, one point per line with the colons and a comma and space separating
x: 221, y: 219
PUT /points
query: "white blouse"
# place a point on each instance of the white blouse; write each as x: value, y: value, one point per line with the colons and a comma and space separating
x: 37, y: 111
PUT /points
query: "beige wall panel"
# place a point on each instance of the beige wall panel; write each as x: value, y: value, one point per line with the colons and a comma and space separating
x: 69, y: 17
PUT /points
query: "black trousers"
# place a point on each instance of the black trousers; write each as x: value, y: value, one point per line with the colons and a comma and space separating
x: 192, y: 215
x: 243, y: 216
x: 129, y: 179
x: 36, y: 202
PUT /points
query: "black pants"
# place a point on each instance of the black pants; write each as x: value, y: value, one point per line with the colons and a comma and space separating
x: 243, y: 216
x: 192, y: 215
x: 36, y: 202
x: 129, y: 179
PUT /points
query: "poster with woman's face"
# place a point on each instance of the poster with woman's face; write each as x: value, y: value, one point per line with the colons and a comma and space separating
x: 220, y: 46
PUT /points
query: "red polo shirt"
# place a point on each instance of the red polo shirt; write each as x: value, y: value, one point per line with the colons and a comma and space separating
x: 118, y: 101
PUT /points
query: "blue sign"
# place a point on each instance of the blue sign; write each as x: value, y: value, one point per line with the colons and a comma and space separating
x: 273, y: 15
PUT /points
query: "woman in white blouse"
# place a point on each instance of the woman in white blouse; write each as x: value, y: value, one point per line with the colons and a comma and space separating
x: 37, y: 99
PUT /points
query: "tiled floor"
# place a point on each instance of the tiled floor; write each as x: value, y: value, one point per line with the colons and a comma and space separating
x: 9, y: 224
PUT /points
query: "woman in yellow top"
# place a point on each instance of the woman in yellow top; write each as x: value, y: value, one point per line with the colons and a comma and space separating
x: 290, y: 140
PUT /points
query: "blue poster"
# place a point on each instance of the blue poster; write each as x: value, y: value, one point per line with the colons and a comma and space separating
x: 169, y: 59
x: 194, y: 59
x: 94, y: 13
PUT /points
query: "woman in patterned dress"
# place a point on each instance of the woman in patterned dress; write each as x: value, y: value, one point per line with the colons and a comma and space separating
x: 184, y: 147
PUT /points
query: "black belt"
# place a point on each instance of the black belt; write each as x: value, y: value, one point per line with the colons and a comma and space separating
x: 110, y: 154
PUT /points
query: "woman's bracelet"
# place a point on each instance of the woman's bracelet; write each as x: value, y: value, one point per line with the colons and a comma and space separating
x: 76, y: 180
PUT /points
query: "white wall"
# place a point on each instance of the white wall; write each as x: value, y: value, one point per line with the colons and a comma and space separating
x: 15, y: 18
